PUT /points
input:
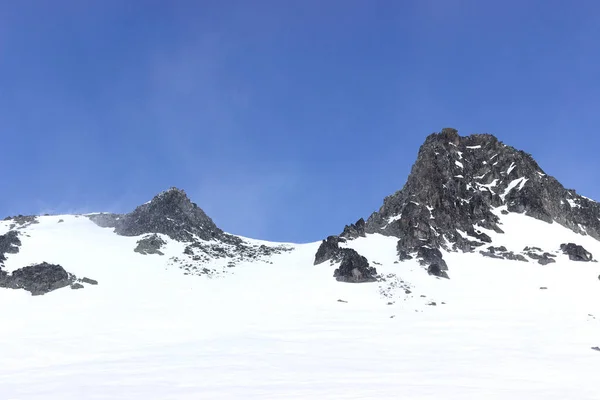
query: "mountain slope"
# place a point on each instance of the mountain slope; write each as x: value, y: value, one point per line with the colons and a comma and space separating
x: 184, y: 310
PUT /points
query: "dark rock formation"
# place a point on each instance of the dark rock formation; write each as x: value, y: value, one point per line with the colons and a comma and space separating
x: 503, y: 253
x: 76, y: 286
x: 21, y: 221
x: 428, y: 256
x: 89, y: 281
x: 170, y: 213
x: 435, y: 270
x: 151, y: 244
x: 9, y: 244
x: 37, y: 279
x: 538, y: 254
x: 354, y: 268
x: 576, y: 252
x: 328, y: 250
x: 458, y: 187
x: 355, y: 230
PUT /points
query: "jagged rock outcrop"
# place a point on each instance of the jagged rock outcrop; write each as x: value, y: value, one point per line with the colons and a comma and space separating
x: 170, y: 213
x: 150, y: 244
x: 355, y: 230
x: 9, y: 244
x: 328, y: 250
x: 37, y: 279
x: 354, y: 268
x: 576, y: 252
x: 21, y: 221
x: 457, y: 188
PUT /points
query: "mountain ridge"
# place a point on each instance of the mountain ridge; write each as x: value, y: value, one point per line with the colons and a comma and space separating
x: 452, y: 201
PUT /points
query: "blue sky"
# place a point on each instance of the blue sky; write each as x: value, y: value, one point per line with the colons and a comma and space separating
x: 283, y: 120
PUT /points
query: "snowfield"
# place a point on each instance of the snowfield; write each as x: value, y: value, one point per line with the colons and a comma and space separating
x: 279, y: 331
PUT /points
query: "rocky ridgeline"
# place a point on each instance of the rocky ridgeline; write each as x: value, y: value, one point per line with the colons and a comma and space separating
x: 173, y: 214
x: 21, y: 221
x: 451, y: 191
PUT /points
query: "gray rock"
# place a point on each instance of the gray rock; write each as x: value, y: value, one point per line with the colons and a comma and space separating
x: 170, y: 213
x: 596, y: 348
x: 435, y: 270
x: 328, y: 250
x: 355, y: 230
x: 150, y: 244
x: 89, y: 281
x: 457, y: 182
x: 354, y: 268
x: 538, y: 254
x: 76, y: 286
x: 22, y: 221
x: 576, y: 252
x: 502, y: 253
x: 37, y: 279
x: 9, y: 244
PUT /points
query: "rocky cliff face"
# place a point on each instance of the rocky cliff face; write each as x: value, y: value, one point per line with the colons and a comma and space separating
x: 455, y: 184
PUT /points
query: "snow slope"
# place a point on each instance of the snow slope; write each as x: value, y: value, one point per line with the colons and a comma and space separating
x: 278, y: 331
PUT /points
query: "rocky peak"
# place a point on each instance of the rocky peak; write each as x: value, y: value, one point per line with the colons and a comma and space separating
x: 458, y: 185
x: 171, y: 213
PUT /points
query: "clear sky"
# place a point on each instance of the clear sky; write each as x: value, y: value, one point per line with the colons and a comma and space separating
x: 283, y: 120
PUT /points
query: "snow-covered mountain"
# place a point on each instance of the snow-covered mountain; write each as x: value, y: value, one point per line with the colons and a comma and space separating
x: 477, y: 280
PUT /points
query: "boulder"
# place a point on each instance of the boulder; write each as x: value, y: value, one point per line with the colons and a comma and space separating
x: 89, y: 281
x: 354, y: 268
x: 576, y: 252
x: 38, y: 279
x: 435, y: 270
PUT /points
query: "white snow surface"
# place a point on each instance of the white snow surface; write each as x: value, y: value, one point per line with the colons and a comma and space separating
x: 277, y: 331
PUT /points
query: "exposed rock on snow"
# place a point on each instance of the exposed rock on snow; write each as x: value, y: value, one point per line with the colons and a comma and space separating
x: 355, y: 230
x: 576, y: 252
x: 328, y: 250
x: 538, y: 254
x: 354, y: 268
x: 21, y: 221
x: 88, y: 281
x: 170, y: 213
x: 458, y: 187
x: 435, y: 270
x: 37, y: 279
x: 150, y: 244
x: 503, y: 253
x: 9, y: 244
